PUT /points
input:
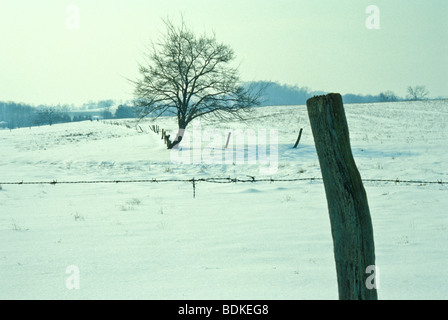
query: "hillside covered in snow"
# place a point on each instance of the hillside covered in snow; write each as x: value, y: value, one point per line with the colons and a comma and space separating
x: 264, y: 240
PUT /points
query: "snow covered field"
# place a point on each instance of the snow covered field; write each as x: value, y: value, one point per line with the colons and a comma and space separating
x: 233, y: 241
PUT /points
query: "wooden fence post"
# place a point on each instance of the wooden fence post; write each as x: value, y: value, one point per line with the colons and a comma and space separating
x: 351, y: 224
x: 228, y: 139
x: 298, y: 138
x: 168, y: 141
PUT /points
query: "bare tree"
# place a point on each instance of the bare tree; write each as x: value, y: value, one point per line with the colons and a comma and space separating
x: 417, y: 93
x: 388, y: 96
x: 47, y: 115
x: 191, y: 76
x: 50, y: 115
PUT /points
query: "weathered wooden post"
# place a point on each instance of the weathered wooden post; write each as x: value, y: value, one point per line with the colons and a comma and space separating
x: 351, y: 224
x: 228, y: 140
x: 298, y: 138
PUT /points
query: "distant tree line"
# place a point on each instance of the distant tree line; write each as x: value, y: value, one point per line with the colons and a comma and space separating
x: 283, y: 94
x: 125, y: 111
x: 18, y: 115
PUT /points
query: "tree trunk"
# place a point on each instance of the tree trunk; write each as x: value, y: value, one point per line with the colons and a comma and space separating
x: 351, y: 224
x: 179, y: 136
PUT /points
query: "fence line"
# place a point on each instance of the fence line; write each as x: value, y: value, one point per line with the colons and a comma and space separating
x: 228, y: 180
x: 212, y: 180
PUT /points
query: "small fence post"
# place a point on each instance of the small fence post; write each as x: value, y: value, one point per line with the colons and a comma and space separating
x: 228, y: 139
x: 168, y: 141
x: 351, y: 224
x: 298, y: 139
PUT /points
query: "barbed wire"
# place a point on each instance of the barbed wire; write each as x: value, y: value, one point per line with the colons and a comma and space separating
x: 224, y: 180
x: 220, y: 180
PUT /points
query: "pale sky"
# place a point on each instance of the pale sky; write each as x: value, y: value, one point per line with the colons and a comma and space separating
x: 321, y: 44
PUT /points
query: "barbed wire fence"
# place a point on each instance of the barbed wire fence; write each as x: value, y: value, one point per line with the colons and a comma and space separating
x: 220, y: 180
